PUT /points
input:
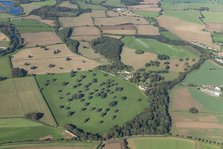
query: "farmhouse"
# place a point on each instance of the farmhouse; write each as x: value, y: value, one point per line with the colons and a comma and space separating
x: 143, y: 88
x: 211, y: 90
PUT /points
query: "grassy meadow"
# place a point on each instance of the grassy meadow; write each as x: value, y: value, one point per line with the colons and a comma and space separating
x: 25, y: 26
x: 5, y: 66
x: 151, y: 45
x: 166, y: 143
x: 217, y: 37
x: 19, y: 129
x: 91, y: 99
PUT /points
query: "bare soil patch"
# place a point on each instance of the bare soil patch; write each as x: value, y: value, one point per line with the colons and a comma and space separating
x: 86, y: 31
x: 214, y: 27
x: 147, y: 30
x: 129, y: 57
x: 119, y: 20
x: 42, y: 58
x: 187, y: 31
x: 119, y: 29
x: 3, y: 37
x: 82, y: 20
x: 98, y: 13
x: 183, y: 100
x: 41, y: 38
x: 86, y: 38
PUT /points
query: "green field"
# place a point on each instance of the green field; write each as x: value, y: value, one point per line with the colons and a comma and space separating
x: 43, y: 3
x: 146, y: 13
x: 79, y: 145
x: 114, y: 3
x: 67, y: 94
x: 25, y: 26
x: 209, y: 70
x: 151, y: 45
x: 5, y: 67
x: 166, y: 143
x: 213, y: 17
x: 19, y: 129
x: 169, y: 35
x: 21, y: 96
x: 84, y: 5
x: 188, y: 16
x: 217, y: 37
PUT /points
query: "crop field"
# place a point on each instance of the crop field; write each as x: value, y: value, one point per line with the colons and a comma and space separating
x: 146, y: 13
x: 129, y: 57
x: 84, y: 5
x: 38, y: 57
x: 213, y: 17
x: 169, y: 35
x: 217, y: 38
x: 82, y: 20
x: 151, y: 45
x: 25, y: 25
x: 68, y: 4
x: 214, y: 27
x: 199, y: 77
x: 153, y: 2
x: 148, y: 8
x: 115, y: 3
x: 41, y: 38
x: 5, y: 66
x: 25, y: 130
x: 119, y: 20
x: 124, y: 12
x: 185, y: 30
x: 39, y: 19
x: 147, y: 30
x: 209, y: 120
x: 91, y: 99
x: 166, y: 143
x: 20, y: 97
x: 80, y: 145
x: 83, y: 31
x: 114, y: 145
x: 119, y: 29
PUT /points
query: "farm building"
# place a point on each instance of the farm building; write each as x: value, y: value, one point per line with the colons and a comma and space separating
x: 211, y: 90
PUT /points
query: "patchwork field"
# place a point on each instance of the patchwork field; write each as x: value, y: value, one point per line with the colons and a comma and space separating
x: 214, y: 27
x: 186, y: 31
x: 85, y: 31
x: 213, y: 17
x: 95, y: 100
x: 25, y: 130
x: 167, y: 143
x: 208, y: 122
x: 119, y: 29
x: 151, y: 45
x: 37, y: 18
x: 32, y: 26
x: 20, y: 97
x: 82, y: 20
x: 119, y: 20
x: 41, y: 38
x: 148, y: 8
x: 68, y: 4
x: 147, y: 30
x: 41, y: 59
x: 52, y: 146
x: 5, y: 66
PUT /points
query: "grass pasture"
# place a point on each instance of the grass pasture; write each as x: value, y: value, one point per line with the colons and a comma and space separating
x: 79, y: 145
x: 19, y: 129
x: 166, y: 143
x: 151, y: 45
x: 217, y: 37
x: 20, y: 97
x: 25, y: 25
x: 213, y: 17
x: 5, y: 66
x: 146, y: 13
x: 169, y: 35
x: 96, y: 105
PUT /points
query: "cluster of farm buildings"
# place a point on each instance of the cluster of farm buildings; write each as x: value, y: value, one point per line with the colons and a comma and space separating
x: 211, y: 90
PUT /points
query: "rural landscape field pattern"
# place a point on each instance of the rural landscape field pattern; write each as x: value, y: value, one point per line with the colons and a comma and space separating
x: 111, y: 74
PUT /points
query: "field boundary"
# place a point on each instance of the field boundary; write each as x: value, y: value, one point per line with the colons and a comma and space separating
x: 37, y: 84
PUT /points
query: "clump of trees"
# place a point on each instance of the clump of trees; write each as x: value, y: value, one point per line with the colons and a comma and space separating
x: 19, y: 72
x: 35, y: 116
x: 193, y: 110
x: 53, y: 12
x: 163, y: 57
